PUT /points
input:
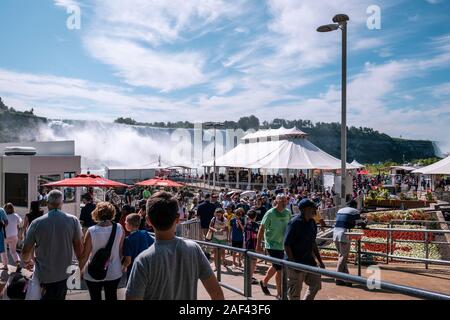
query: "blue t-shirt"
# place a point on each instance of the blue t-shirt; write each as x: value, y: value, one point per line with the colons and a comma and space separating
x: 137, y: 242
x: 237, y: 234
x: 301, y: 238
x: 4, y: 221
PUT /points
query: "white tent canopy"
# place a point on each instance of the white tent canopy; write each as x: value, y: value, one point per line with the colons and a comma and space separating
x: 282, y: 154
x: 357, y: 164
x: 440, y: 167
x: 275, y: 133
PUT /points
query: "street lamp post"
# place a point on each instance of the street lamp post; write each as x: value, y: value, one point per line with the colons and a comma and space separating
x: 214, y: 125
x: 340, y: 22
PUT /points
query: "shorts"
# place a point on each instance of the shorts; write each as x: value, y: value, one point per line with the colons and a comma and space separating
x: 222, y: 242
x: 279, y: 254
x: 237, y: 244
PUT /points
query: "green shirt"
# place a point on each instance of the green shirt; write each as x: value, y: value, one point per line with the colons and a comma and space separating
x: 275, y: 224
x: 146, y: 194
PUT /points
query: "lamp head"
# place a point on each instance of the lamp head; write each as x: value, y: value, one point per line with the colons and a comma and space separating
x: 328, y: 27
x: 341, y: 18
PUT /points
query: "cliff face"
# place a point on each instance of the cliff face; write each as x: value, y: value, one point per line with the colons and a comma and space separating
x: 15, y: 126
x: 364, y: 145
x: 374, y: 148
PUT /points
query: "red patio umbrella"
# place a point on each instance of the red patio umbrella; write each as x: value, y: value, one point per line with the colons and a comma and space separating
x: 84, y: 180
x: 159, y: 182
x: 363, y: 172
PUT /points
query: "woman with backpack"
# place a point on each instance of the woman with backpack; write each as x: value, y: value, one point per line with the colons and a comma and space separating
x: 103, y: 245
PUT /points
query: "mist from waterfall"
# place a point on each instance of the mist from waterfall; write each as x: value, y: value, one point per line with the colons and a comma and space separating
x: 103, y: 144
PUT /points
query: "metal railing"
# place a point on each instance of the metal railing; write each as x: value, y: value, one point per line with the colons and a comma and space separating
x: 191, y: 230
x: 249, y: 256
x: 390, y: 245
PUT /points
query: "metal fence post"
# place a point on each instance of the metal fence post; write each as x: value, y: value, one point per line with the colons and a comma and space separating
x: 218, y: 264
x: 426, y: 250
x: 388, y: 243
x: 247, y: 276
x: 284, y: 283
x: 359, y: 256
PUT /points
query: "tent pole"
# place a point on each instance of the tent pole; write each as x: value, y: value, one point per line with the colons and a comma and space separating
x: 237, y: 178
x: 249, y: 186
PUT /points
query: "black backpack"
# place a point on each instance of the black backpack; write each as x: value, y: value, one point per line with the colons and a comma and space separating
x: 17, y: 285
x: 98, y: 267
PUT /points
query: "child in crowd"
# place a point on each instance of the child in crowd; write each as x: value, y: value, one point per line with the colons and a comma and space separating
x: 171, y: 267
x: 135, y: 243
x: 250, y: 236
x: 237, y: 235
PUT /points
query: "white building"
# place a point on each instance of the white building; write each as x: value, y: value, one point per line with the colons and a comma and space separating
x: 22, y: 176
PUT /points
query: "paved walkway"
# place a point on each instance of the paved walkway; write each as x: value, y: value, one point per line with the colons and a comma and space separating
x: 436, y: 278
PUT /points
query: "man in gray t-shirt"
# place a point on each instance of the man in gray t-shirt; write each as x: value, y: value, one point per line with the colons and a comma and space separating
x: 175, y: 265
x: 171, y: 267
x: 54, y: 237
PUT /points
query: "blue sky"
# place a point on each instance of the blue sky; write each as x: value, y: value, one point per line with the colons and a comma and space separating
x: 203, y: 60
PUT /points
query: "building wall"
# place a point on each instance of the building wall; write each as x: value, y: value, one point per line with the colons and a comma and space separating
x: 129, y: 176
x: 48, y: 148
x: 36, y: 166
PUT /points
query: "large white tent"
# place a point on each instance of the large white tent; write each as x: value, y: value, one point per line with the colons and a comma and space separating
x: 357, y: 164
x: 287, y: 149
x: 440, y: 167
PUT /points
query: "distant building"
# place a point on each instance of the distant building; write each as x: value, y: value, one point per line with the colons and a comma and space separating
x: 26, y: 167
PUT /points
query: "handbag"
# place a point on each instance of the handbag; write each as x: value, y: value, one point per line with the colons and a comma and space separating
x: 210, y: 233
x: 98, y: 267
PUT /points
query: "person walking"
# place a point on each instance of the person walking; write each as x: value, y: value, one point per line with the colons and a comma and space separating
x: 135, y: 243
x: 237, y: 235
x: 3, y: 224
x: 97, y: 237
x: 219, y: 229
x: 86, y: 213
x: 12, y: 235
x: 346, y: 219
x: 272, y: 229
x: 35, y: 212
x: 300, y: 246
x: 171, y: 267
x: 205, y: 212
x: 53, y: 237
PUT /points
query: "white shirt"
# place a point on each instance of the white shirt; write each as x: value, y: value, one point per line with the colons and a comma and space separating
x: 99, y: 238
x: 14, y: 221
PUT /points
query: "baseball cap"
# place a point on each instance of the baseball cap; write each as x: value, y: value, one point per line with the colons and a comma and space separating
x: 306, y: 203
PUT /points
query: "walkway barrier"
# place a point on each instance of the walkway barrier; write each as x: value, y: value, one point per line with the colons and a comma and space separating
x: 191, y: 229
x: 426, y: 238
x: 249, y: 255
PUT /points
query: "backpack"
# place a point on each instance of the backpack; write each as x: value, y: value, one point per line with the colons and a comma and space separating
x: 98, y: 267
x: 16, y: 288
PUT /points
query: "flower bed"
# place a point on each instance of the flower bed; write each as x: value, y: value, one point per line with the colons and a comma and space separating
x: 399, y: 247
x: 387, y: 216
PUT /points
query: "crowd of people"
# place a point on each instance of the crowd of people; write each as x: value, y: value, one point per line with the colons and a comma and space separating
x: 138, y: 238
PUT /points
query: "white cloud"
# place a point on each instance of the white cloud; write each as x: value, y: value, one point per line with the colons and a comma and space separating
x: 57, y: 97
x: 66, y: 3
x: 135, y: 38
x: 367, y: 43
x: 441, y: 90
x: 140, y: 66
x: 434, y: 1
